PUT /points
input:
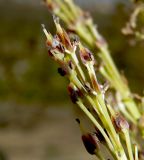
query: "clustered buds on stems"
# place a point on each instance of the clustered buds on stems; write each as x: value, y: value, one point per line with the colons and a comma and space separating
x: 74, y: 93
x: 88, y: 94
x: 81, y: 23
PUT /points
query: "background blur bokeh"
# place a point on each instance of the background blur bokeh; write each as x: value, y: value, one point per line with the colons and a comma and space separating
x: 36, y: 117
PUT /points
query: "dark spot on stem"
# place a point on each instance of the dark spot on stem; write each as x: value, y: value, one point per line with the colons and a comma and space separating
x: 77, y: 120
x: 62, y: 71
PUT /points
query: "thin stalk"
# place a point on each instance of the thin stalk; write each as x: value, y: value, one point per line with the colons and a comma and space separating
x: 107, y: 120
x: 99, y: 155
x: 126, y: 113
x: 65, y: 10
x: 112, y: 133
x: 117, y: 152
x: 90, y: 116
x: 119, y: 84
x: 71, y: 6
x: 136, y: 152
x: 81, y: 31
x: 128, y: 143
x: 76, y: 62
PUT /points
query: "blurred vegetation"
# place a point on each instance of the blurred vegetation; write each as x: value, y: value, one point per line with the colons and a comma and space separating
x: 27, y: 74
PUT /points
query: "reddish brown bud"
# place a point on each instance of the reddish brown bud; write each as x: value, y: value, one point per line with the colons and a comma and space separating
x: 99, y: 135
x: 88, y: 87
x: 77, y: 120
x: 90, y: 142
x: 74, y: 93
x: 50, y: 53
x: 62, y: 71
x: 120, y: 123
x: 67, y: 41
x: 71, y: 65
x: 86, y: 55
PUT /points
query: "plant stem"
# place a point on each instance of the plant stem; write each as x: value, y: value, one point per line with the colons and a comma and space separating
x: 128, y: 143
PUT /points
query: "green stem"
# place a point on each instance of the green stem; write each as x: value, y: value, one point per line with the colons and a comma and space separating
x: 128, y: 143
x: 83, y: 108
x: 99, y: 155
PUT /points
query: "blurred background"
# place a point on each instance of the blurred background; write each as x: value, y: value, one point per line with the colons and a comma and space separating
x: 36, y: 115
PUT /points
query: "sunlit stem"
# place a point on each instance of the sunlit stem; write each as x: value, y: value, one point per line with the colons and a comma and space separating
x: 128, y: 143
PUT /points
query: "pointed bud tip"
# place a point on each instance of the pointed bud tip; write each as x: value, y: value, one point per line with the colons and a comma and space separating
x: 43, y: 26
x: 56, y: 19
x: 45, y: 31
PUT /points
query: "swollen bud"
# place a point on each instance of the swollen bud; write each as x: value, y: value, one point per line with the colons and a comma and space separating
x: 90, y: 142
x: 62, y: 71
x: 99, y: 135
x: 74, y: 93
x: 77, y: 120
x: 85, y: 55
x: 120, y: 123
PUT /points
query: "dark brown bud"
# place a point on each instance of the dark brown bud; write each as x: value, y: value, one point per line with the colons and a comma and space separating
x: 77, y: 120
x: 62, y: 71
x: 86, y: 55
x: 120, y: 123
x: 74, y: 93
x: 90, y: 142
x: 75, y: 40
x: 50, y: 53
x: 99, y: 135
x: 71, y: 65
x: 87, y: 87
